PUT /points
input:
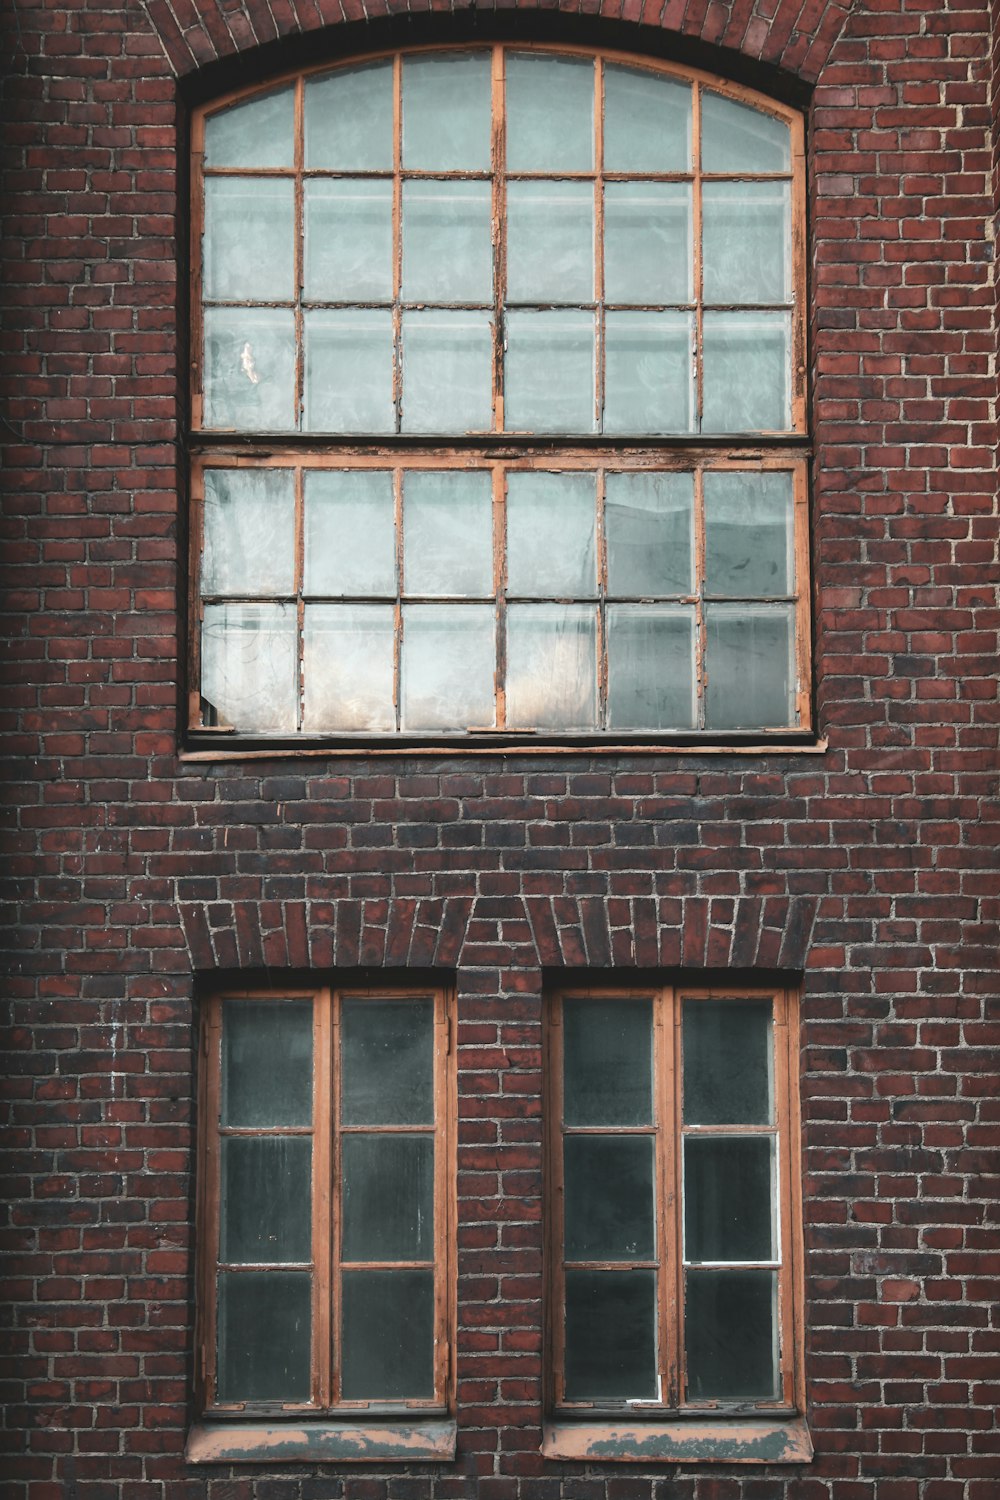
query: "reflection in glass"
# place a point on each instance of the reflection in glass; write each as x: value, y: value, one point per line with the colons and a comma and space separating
x: 728, y: 1062
x: 266, y: 1062
x: 648, y: 372
x: 350, y: 542
x: 266, y: 1209
x: 447, y: 106
x: 387, y: 1062
x: 250, y: 368
x: 447, y: 371
x: 738, y: 138
x: 348, y: 119
x: 648, y: 520
x: 647, y: 122
x: 650, y: 667
x: 387, y: 1342
x: 551, y: 534
x: 550, y: 242
x: 265, y: 1335
x: 647, y: 242
x: 747, y: 241
x: 249, y: 240
x: 749, y: 655
x: 552, y: 666
x: 549, y: 372
x: 611, y: 1335
x: 607, y: 1062
x: 249, y: 532
x: 608, y: 1185
x: 258, y: 133
x: 550, y: 114
x: 248, y: 667
x: 448, y: 665
x: 388, y: 1197
x: 731, y: 1336
x: 729, y: 1198
x: 748, y: 534
x: 448, y: 533
x: 348, y: 240
x: 348, y: 666
x: 447, y: 244
x: 746, y: 372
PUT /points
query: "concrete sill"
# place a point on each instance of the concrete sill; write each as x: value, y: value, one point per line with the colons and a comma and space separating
x: 732, y: 1440
x: 322, y: 1442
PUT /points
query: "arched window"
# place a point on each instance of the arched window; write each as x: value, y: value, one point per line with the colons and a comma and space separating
x: 499, y: 404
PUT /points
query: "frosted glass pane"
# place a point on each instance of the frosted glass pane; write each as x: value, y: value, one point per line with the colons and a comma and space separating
x: 728, y: 1062
x: 348, y: 240
x: 549, y: 372
x: 249, y: 240
x: 448, y: 665
x: 248, y: 666
x: 348, y: 385
x: 648, y: 522
x: 607, y: 1062
x: 265, y: 1335
x: 729, y: 1198
x: 447, y: 372
x: 737, y: 138
x: 348, y: 667
x: 647, y: 242
x: 747, y: 241
x: 250, y: 369
x: 448, y: 534
x: 551, y: 534
x: 266, y: 1189
x: 447, y: 242
x: 387, y: 1343
x: 648, y: 372
x: 550, y: 242
x: 388, y: 1202
x: 750, y: 666
x: 259, y: 133
x: 550, y: 114
x: 746, y: 372
x: 552, y: 666
x: 350, y: 540
x: 650, y: 667
x: 348, y: 119
x: 266, y: 1062
x: 749, y: 547
x: 611, y: 1335
x: 647, y: 122
x: 447, y: 109
x: 249, y: 532
x: 387, y: 1062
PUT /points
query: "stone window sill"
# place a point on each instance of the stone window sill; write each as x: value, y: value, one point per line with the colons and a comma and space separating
x: 735, y: 1440
x: 431, y: 1440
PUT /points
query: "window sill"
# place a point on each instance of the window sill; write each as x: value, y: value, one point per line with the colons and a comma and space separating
x: 422, y: 1439
x: 736, y: 1440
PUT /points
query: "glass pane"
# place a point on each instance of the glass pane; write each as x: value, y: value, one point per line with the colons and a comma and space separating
x: 747, y: 241
x: 348, y: 119
x: 387, y: 1062
x: 749, y: 664
x: 647, y: 242
x: 447, y: 242
x: 727, y: 1062
x: 650, y: 667
x: 607, y: 1062
x: 348, y: 241
x: 749, y: 541
x: 551, y: 534
x: 448, y: 666
x: 447, y: 110
x: 729, y: 1198
x: 248, y: 666
x: 746, y: 372
x: 650, y: 534
x: 737, y: 138
x: 250, y: 368
x: 448, y: 534
x: 249, y: 532
x: 447, y: 372
x: 609, y: 1197
x: 349, y: 371
x: 388, y: 1204
x: 549, y: 372
x: 259, y: 133
x: 647, y: 122
x: 348, y: 666
x: 550, y: 114
x: 266, y: 1209
x: 611, y: 1335
x: 731, y: 1336
x: 550, y: 242
x: 648, y: 372
x: 249, y: 241
x: 350, y: 541
x: 387, y: 1347
x: 265, y: 1335
x: 266, y: 1062
x: 552, y: 666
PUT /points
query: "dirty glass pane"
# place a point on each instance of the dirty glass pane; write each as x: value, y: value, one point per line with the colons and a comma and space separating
x: 611, y: 1335
x: 259, y: 133
x: 448, y: 534
x: 729, y: 1198
x: 266, y: 1208
x: 265, y: 1335
x: 608, y: 1186
x: 388, y: 1197
x: 649, y: 368
x: 387, y: 1341
x: 749, y: 544
x: 731, y: 1335
x: 249, y: 532
x: 387, y: 1062
x: 350, y: 542
x: 348, y: 667
x: 746, y: 372
x: 647, y: 242
x: 650, y: 534
x: 348, y: 240
x: 447, y: 110
x: 607, y: 1062
x: 737, y: 138
x: 727, y: 1062
x: 647, y: 122
x: 348, y: 119
x: 447, y: 666
x: 447, y: 372
x: 549, y: 372
x: 551, y: 534
x: 747, y: 241
x: 348, y: 385
x: 447, y: 242
x: 650, y: 667
x: 248, y: 666
x: 552, y: 666
x: 550, y: 242
x: 750, y: 666
x: 266, y: 1062
x: 550, y: 114
x: 249, y: 240
x: 250, y: 368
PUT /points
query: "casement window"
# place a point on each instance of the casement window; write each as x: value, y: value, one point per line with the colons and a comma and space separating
x: 498, y: 408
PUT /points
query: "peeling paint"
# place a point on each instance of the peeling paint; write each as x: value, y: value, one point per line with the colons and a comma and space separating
x: 753, y: 1441
x: 320, y: 1442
